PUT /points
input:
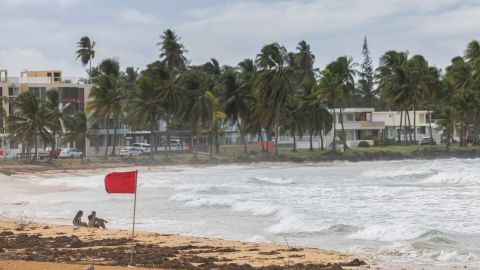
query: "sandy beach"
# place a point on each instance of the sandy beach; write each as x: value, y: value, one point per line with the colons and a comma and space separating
x: 42, y: 246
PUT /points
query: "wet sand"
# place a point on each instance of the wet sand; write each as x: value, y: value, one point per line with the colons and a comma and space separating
x: 42, y: 246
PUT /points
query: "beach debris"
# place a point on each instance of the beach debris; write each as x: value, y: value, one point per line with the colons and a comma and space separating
x: 89, y: 267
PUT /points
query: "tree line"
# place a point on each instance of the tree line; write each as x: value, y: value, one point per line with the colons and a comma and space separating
x: 277, y: 91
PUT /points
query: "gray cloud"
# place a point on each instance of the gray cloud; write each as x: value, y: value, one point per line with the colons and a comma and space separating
x: 231, y: 30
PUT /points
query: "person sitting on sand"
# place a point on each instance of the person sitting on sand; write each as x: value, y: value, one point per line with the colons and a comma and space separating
x: 94, y: 221
x: 77, y: 220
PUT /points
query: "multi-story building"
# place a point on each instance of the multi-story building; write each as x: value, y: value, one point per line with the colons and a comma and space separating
x: 73, y: 95
x: 358, y: 125
x: 422, y: 120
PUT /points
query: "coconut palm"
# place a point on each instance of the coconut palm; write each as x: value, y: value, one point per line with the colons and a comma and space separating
x: 472, y: 55
x: 236, y: 98
x: 86, y: 53
x: 169, y: 89
x: 446, y: 121
x: 30, y: 121
x: 331, y: 88
x: 273, y: 84
x: 107, y: 99
x: 77, y: 129
x: 344, y: 69
x: 197, y: 102
x: 302, y: 63
x: 55, y: 114
x: 172, y: 52
x: 145, y: 108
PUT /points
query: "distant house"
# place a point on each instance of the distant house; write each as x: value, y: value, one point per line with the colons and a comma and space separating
x: 422, y: 120
x: 358, y: 125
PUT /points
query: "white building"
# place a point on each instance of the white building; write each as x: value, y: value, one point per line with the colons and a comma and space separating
x: 422, y: 121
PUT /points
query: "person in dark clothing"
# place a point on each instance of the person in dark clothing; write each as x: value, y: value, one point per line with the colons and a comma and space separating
x: 94, y: 221
x: 77, y: 220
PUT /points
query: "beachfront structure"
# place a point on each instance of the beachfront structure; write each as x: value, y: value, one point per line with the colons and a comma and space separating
x: 358, y: 125
x: 73, y: 91
x: 420, y: 120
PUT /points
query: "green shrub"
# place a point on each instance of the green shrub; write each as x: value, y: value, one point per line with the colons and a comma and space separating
x: 363, y: 144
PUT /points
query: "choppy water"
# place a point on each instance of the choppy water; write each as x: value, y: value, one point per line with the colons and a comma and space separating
x: 424, y: 213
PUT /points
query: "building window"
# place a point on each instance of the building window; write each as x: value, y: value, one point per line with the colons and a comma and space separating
x: 39, y: 92
x: 349, y: 117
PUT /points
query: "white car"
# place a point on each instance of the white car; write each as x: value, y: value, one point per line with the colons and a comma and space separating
x: 130, y: 151
x: 70, y: 153
x: 144, y: 147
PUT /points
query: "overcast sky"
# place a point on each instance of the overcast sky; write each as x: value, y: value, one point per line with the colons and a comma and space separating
x: 42, y: 34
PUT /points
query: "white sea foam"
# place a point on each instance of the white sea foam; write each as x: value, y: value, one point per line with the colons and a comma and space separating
x: 460, y: 176
x: 387, y: 233
x: 256, y: 239
x: 274, y: 180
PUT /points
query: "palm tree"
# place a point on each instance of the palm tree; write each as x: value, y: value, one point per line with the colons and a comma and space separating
x: 217, y: 116
x: 107, y: 98
x: 394, y: 85
x: 447, y: 121
x: 169, y: 89
x: 77, y: 129
x: 144, y: 107
x: 197, y: 102
x: 344, y: 69
x: 331, y: 88
x: 236, y: 97
x: 472, y: 55
x: 86, y: 52
x: 30, y: 122
x: 273, y: 84
x: 55, y: 114
x: 302, y: 62
x: 172, y: 51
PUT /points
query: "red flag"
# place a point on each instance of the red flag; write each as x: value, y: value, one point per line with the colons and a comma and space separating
x: 121, y: 182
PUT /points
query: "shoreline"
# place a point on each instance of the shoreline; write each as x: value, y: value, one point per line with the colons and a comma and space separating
x: 92, y: 164
x: 36, y: 246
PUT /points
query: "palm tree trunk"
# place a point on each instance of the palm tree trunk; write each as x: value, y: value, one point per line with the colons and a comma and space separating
x: 400, y: 128
x: 167, y: 138
x: 341, y: 120
x: 321, y: 140
x: 334, y: 143
x: 405, y: 132
x: 277, y: 128
x: 448, y: 141
x: 168, y: 135
x: 261, y: 140
x: 217, y: 142
x: 476, y: 128
x: 36, y: 145
x: 114, y: 138
x: 311, y: 141
x: 108, y: 137
x: 294, y: 143
x: 415, y: 125
x: 242, y: 136
x: 430, y: 122
x: 210, y: 144
x: 152, y: 136
x: 409, y: 128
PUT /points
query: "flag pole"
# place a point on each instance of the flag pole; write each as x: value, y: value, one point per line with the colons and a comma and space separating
x: 133, y: 223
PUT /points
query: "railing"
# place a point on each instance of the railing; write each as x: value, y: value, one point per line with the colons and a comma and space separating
x: 45, y: 80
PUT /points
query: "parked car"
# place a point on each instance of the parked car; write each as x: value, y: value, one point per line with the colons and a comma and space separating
x: 173, y: 142
x: 130, y: 152
x: 43, y: 154
x: 144, y: 147
x: 427, y: 141
x: 70, y: 153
